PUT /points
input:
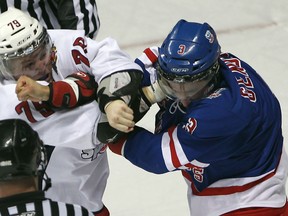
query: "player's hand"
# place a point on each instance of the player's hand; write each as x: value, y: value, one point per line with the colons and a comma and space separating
x: 29, y: 89
x: 120, y: 116
x: 154, y: 93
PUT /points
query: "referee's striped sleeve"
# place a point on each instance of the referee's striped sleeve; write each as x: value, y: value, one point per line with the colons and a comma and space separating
x: 65, y: 209
x: 45, y: 207
x: 65, y: 14
x: 3, y: 5
x: 77, y: 14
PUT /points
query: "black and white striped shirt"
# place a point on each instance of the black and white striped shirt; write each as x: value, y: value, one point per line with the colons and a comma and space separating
x: 35, y: 204
x: 56, y: 14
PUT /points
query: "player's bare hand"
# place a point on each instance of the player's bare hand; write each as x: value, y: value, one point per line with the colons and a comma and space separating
x: 29, y: 89
x: 120, y: 116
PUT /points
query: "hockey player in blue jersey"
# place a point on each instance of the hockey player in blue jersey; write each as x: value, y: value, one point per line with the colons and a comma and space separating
x: 220, y: 125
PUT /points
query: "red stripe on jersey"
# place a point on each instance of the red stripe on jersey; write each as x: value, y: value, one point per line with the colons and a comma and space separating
x: 232, y: 189
x: 117, y: 146
x: 174, y: 157
x: 225, y: 190
x: 189, y: 178
x: 103, y: 212
x: 152, y: 57
x: 260, y: 211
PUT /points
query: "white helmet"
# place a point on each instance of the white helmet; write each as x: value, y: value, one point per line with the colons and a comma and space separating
x: 20, y: 35
x: 17, y: 32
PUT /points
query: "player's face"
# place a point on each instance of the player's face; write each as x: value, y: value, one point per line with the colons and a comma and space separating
x: 36, y: 65
x: 183, y: 91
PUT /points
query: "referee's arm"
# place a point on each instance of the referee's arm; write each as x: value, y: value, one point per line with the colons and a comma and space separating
x: 77, y: 14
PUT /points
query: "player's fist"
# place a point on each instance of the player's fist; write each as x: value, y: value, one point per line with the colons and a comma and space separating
x: 120, y: 116
x: 29, y: 89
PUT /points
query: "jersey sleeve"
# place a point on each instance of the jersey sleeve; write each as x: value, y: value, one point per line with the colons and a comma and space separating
x: 197, y: 136
x: 147, y: 61
x: 74, y: 52
x: 146, y: 154
x: 106, y: 58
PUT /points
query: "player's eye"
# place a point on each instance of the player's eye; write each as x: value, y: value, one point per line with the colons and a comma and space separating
x: 29, y: 65
x: 42, y: 55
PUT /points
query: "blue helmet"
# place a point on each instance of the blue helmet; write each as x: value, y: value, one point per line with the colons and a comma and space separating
x: 188, y: 61
x: 190, y: 49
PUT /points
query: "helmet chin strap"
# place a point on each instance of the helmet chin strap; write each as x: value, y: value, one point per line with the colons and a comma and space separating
x: 177, y: 104
x: 44, y: 181
x: 42, y: 175
x: 47, y: 181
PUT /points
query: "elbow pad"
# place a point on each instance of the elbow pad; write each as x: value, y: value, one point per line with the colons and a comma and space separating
x: 120, y: 85
x: 126, y: 86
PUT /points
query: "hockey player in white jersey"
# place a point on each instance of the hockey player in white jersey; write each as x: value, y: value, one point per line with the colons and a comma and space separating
x: 78, y: 164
